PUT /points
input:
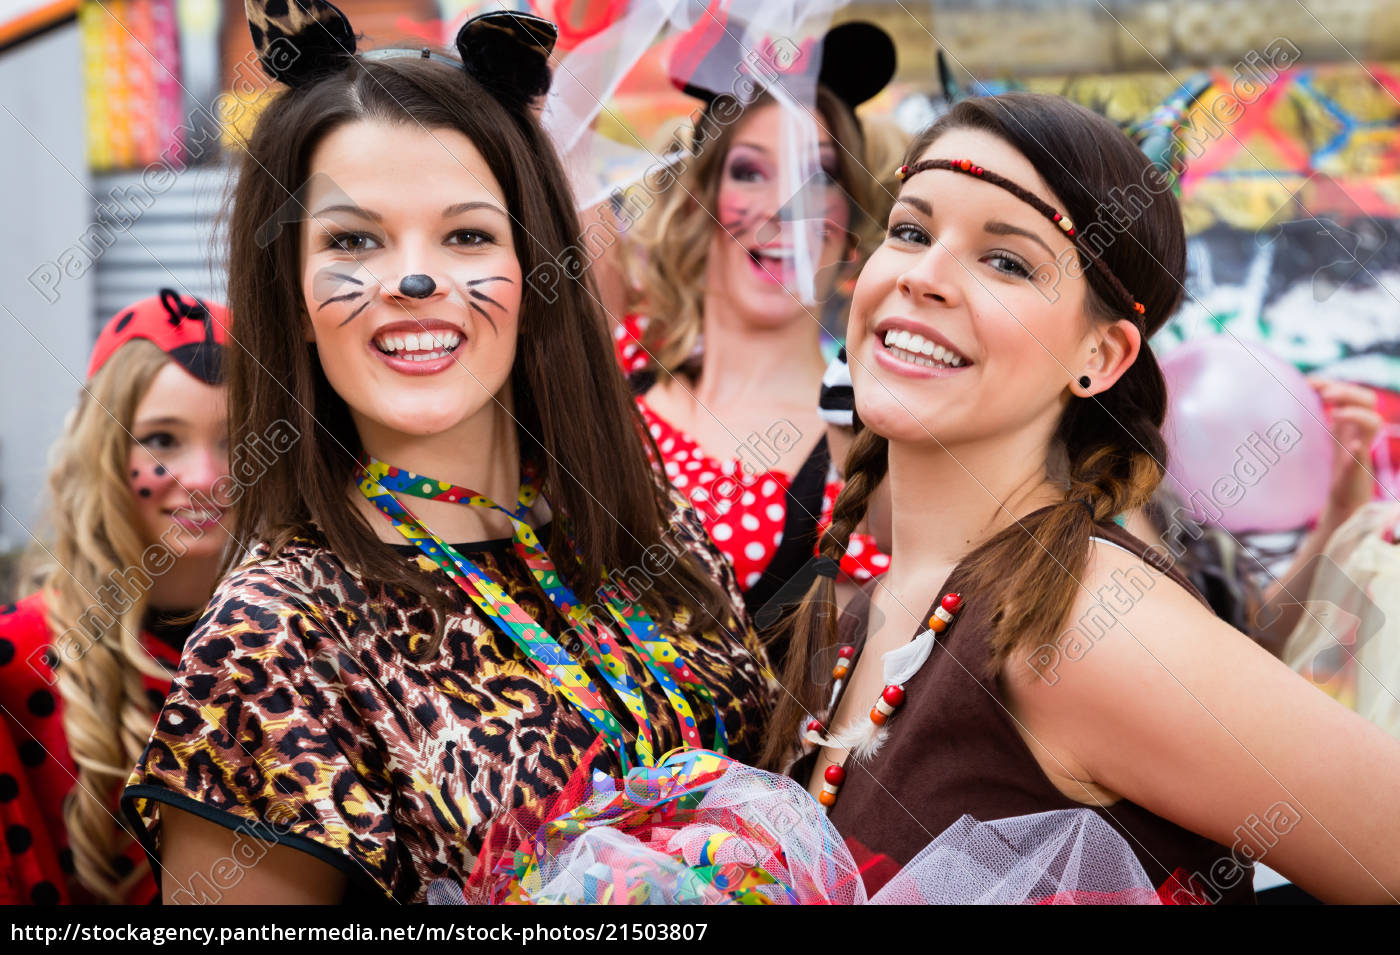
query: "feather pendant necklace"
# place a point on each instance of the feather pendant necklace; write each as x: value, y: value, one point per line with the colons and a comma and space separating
x: 863, y: 738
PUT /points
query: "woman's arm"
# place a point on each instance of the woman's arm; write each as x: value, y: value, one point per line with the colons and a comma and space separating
x: 1161, y: 703
x: 1354, y: 423
x: 199, y: 865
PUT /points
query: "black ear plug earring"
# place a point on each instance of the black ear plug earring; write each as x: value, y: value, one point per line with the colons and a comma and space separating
x: 1084, y: 381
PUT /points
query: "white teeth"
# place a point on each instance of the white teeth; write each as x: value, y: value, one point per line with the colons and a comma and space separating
x: 917, y: 350
x: 430, y: 344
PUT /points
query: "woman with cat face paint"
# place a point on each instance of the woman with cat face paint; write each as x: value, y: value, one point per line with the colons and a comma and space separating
x: 468, y: 592
x: 85, y: 661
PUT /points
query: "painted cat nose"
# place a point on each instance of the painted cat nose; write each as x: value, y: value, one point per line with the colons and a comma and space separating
x: 417, y: 286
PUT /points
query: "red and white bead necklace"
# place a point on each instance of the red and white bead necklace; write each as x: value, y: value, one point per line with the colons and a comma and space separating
x: 888, y: 702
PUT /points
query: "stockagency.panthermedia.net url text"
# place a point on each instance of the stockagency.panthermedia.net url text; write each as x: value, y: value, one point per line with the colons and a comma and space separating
x: 79, y: 932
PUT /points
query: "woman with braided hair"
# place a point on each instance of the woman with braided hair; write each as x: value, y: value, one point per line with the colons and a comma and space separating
x: 1024, y: 653
x: 135, y: 538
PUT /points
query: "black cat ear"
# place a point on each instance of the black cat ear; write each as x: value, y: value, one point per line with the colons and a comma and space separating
x: 508, y: 53
x: 299, y: 41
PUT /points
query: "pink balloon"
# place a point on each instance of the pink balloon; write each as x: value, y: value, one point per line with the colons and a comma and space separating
x: 1249, y: 446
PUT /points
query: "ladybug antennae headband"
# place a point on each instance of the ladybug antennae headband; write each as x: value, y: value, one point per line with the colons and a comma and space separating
x: 190, y: 331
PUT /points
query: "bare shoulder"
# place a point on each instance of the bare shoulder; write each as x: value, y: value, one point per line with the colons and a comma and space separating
x: 1156, y: 700
x: 1127, y: 610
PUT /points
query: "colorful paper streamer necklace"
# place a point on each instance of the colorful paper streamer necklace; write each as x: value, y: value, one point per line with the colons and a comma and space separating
x: 601, y: 644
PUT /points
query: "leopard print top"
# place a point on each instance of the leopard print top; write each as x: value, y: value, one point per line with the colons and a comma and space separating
x: 300, y: 715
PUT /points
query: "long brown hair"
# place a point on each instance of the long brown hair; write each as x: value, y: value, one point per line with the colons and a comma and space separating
x: 576, y: 418
x: 1113, y: 442
x: 107, y: 716
x: 676, y: 232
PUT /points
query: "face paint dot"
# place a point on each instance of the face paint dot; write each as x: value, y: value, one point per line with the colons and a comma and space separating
x: 160, y: 470
x: 144, y: 492
x: 135, y: 473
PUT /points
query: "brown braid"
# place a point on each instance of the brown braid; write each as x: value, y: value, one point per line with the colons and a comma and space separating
x: 1134, y: 307
x: 813, y: 627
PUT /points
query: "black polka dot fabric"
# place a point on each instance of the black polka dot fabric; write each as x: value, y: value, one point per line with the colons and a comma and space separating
x: 18, y: 839
x: 37, y: 771
x: 41, y: 703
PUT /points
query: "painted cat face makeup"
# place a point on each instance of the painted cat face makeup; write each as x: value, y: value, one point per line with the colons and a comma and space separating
x: 410, y: 278
x: 179, y: 450
x: 753, y: 251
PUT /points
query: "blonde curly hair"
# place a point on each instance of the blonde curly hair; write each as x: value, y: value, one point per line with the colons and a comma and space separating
x: 674, y: 234
x: 106, y: 716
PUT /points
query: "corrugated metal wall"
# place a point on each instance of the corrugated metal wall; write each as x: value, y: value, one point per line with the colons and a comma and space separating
x: 170, y: 239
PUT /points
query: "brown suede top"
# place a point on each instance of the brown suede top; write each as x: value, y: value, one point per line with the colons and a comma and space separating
x: 953, y: 748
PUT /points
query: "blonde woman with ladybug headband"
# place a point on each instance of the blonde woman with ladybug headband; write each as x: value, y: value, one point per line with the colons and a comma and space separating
x: 1008, y: 457
x: 135, y: 543
x: 468, y: 592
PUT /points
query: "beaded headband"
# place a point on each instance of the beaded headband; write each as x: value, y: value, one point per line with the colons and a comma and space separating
x: 1064, y: 222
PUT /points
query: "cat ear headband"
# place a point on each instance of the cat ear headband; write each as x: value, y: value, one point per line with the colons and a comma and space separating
x: 299, y: 42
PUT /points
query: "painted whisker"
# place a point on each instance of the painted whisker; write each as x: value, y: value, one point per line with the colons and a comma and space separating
x: 339, y: 298
x: 363, y: 306
x: 484, y: 315
x: 486, y: 298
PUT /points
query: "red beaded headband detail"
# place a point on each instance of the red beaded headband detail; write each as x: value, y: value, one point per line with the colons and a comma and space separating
x: 1063, y: 221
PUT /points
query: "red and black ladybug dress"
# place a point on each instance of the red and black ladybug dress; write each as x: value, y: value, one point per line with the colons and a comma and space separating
x: 36, y: 770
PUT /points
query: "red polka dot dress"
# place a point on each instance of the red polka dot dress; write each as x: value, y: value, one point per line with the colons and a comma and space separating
x: 36, y: 770
x: 744, y: 513
x: 751, y: 535
x: 863, y: 560
x: 627, y: 339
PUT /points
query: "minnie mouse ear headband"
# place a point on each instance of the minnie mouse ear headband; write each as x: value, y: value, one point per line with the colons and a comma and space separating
x: 299, y: 42
x: 190, y: 331
x: 856, y: 61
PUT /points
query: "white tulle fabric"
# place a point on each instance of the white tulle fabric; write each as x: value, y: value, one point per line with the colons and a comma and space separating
x: 759, y: 820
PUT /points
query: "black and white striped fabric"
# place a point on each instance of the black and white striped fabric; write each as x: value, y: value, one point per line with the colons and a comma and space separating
x: 837, y: 402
